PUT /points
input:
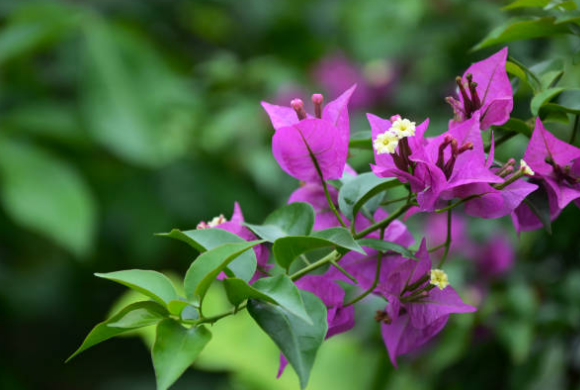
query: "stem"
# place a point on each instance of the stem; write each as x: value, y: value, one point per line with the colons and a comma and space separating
x: 331, y: 257
x: 377, y: 277
x: 305, y: 260
x: 384, y: 223
x: 574, y: 130
x: 212, y: 319
x: 459, y: 202
x: 343, y: 271
x: 447, y: 240
x: 387, y: 202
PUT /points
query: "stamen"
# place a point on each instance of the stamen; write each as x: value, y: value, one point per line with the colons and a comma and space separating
x: 466, y: 146
x: 466, y: 101
x: 439, y: 278
x: 506, y: 171
x: 475, y: 102
x: 317, y: 100
x: 441, y: 157
x: 382, y: 316
x: 298, y: 106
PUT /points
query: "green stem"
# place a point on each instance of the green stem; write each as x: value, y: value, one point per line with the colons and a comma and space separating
x: 377, y: 277
x: 388, y: 202
x: 343, y: 271
x: 447, y: 240
x: 458, y: 203
x: 384, y: 223
x: 332, y: 256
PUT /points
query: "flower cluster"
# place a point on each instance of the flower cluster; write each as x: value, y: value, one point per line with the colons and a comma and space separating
x: 440, y: 173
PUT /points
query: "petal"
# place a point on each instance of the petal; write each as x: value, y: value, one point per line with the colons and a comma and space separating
x: 290, y: 146
x: 280, y: 116
x: 400, y: 337
x: 543, y: 144
x: 493, y: 84
x: 336, y: 112
x: 439, y: 303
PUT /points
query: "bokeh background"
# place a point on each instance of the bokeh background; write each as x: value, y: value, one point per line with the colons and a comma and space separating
x: 119, y: 119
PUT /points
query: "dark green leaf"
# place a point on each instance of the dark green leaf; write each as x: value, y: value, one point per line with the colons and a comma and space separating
x: 295, y: 219
x: 176, y: 306
x: 286, y: 249
x: 103, y: 331
x: 385, y: 246
x: 44, y: 194
x: 153, y: 284
x: 542, y: 98
x: 354, y: 194
x: 361, y: 140
x: 239, y: 290
x: 554, y: 113
x: 516, y: 125
x: 208, y: 266
x: 524, y: 74
x: 205, y: 239
x: 175, y: 349
x: 297, y: 339
x: 538, y: 203
x: 523, y: 28
x: 570, y: 100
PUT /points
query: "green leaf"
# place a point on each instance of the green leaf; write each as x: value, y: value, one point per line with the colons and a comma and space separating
x: 539, y: 204
x: 361, y: 140
x: 524, y: 74
x: 554, y: 113
x: 523, y: 28
x: 517, y: 126
x: 354, y: 194
x: 119, y: 110
x: 103, y: 331
x: 542, y: 98
x: 46, y: 195
x: 141, y: 317
x: 208, y: 266
x: 385, y: 246
x: 153, y: 284
x: 278, y: 290
x: 549, y: 72
x: 176, y: 306
x: 175, y: 349
x: 287, y: 249
x: 295, y: 219
x: 526, y: 4
x: 570, y: 100
x: 205, y: 239
x: 569, y: 5
x: 297, y: 339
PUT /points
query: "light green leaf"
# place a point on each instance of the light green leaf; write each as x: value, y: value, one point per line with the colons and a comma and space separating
x: 208, y: 266
x: 103, y: 331
x: 523, y: 28
x: 362, y: 189
x: 278, y: 290
x: 287, y: 249
x: 526, y: 4
x: 175, y: 349
x: 46, y: 195
x: 569, y: 100
x: 205, y: 239
x: 153, y: 284
x: 295, y: 219
x: 297, y: 339
x: 542, y: 98
x: 141, y: 317
x: 386, y: 246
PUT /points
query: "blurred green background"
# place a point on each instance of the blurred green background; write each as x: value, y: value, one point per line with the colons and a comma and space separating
x: 119, y: 119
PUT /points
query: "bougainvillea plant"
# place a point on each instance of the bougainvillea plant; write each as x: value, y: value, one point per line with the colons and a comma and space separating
x: 342, y: 214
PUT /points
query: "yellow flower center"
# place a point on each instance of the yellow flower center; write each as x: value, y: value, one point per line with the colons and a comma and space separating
x: 403, y: 128
x: 386, y: 143
x: 525, y: 168
x: 439, y: 278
